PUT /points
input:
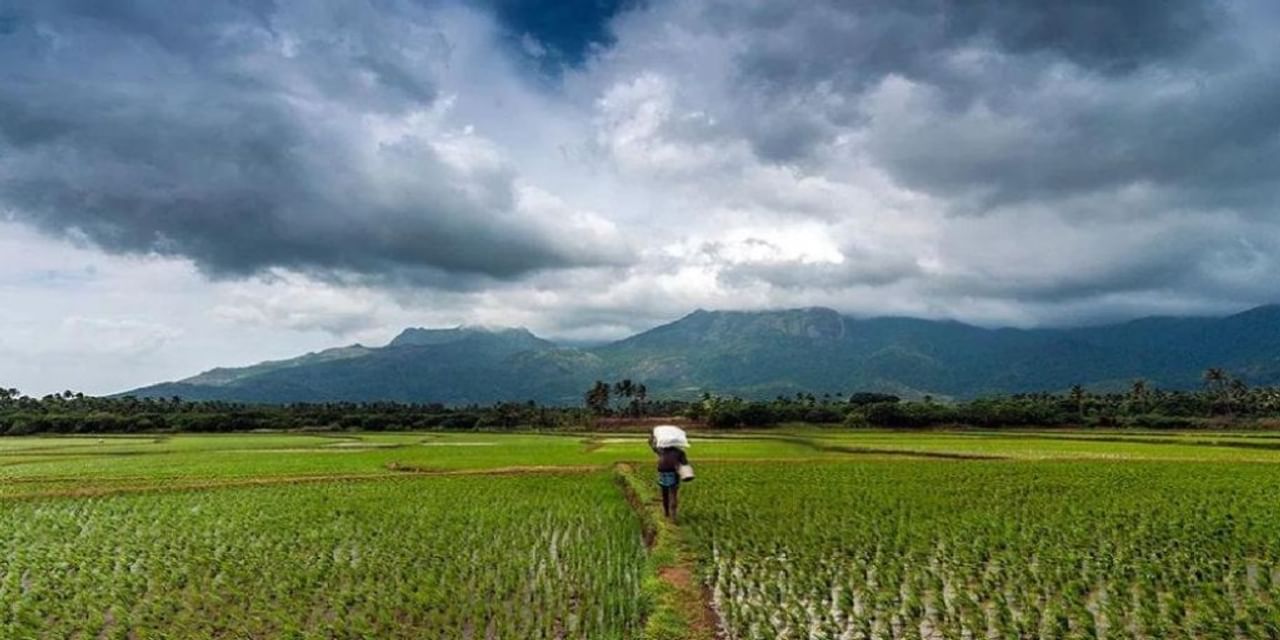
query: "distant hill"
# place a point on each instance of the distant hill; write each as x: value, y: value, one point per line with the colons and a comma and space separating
x: 761, y: 354
x: 454, y: 366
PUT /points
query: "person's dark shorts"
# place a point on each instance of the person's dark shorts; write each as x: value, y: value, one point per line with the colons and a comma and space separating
x: 668, y: 479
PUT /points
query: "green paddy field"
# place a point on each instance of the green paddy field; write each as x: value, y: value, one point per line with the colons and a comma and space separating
x: 789, y: 533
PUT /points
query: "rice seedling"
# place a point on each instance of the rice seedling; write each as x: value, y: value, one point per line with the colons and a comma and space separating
x: 913, y: 549
x: 452, y: 557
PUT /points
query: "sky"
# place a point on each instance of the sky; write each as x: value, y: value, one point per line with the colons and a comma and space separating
x: 187, y: 184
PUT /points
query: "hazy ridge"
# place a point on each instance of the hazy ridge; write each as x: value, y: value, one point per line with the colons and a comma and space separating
x: 761, y: 354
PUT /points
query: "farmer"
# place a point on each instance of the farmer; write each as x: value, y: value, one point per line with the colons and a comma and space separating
x: 669, y: 461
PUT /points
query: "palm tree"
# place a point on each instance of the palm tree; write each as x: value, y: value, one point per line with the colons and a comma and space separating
x: 1215, y: 380
x: 624, y: 389
x: 1237, y: 393
x: 1078, y: 396
x: 642, y: 394
x: 1139, y: 393
x: 597, y: 398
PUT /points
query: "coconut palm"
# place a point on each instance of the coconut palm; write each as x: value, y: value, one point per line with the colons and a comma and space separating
x: 623, y: 390
x: 1139, y: 392
x: 1215, y: 377
x: 597, y: 398
x: 1078, y: 396
x: 1216, y: 381
x: 642, y: 394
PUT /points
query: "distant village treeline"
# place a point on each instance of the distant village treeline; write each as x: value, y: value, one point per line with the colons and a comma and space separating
x: 1223, y: 401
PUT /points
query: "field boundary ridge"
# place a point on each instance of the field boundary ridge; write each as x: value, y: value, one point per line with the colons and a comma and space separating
x: 678, y: 603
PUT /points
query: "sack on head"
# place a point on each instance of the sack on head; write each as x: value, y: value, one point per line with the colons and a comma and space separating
x: 667, y: 435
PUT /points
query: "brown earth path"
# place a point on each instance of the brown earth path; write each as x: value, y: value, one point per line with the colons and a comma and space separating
x: 704, y: 621
x: 683, y: 608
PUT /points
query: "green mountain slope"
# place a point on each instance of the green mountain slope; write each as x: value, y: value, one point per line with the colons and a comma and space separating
x: 762, y: 354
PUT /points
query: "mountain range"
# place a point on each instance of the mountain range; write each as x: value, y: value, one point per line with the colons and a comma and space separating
x: 761, y: 354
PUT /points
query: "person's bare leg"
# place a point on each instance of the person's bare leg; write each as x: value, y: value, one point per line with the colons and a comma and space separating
x: 666, y: 501
x: 675, y: 501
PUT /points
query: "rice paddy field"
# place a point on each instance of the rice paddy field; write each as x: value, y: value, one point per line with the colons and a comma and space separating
x: 790, y: 533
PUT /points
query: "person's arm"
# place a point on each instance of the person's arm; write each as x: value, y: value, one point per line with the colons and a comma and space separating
x: 684, y: 459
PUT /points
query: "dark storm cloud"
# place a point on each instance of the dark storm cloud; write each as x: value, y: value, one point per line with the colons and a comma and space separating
x: 794, y: 59
x: 1030, y: 259
x: 1100, y: 34
x: 236, y: 134
x: 856, y: 42
x: 1211, y: 144
x: 995, y: 104
x: 798, y: 275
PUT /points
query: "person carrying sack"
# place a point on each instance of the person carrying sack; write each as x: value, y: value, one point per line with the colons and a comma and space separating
x: 673, y: 465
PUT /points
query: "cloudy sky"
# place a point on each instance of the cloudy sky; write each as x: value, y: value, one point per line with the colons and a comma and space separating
x: 186, y: 183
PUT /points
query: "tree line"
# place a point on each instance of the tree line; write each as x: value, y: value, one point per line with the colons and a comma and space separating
x: 72, y: 413
x: 1223, y: 400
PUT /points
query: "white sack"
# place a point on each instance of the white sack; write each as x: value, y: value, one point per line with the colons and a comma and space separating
x: 666, y: 435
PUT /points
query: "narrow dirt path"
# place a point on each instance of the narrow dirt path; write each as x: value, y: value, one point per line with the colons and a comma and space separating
x: 682, y: 605
x: 705, y: 623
